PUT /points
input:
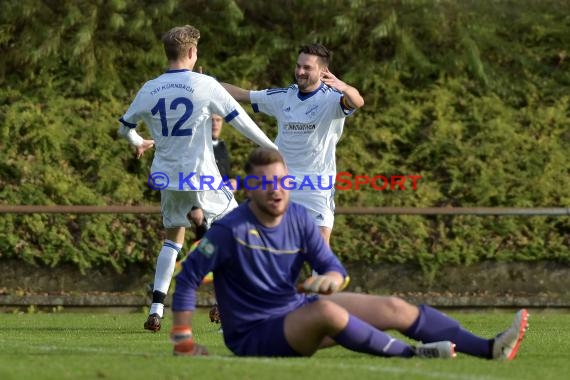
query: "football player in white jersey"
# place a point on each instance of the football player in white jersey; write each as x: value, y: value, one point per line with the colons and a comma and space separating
x: 310, y: 116
x: 177, y: 107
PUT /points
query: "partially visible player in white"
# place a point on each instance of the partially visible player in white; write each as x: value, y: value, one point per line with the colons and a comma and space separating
x: 310, y: 117
x: 177, y: 107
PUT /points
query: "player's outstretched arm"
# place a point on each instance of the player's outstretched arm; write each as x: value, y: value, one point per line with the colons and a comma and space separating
x: 246, y: 126
x: 225, y: 104
x: 237, y: 93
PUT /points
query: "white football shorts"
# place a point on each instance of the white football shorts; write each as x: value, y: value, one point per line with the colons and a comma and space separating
x: 319, y: 203
x: 175, y: 205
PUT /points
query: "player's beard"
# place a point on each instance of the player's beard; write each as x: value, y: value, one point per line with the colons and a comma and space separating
x: 273, y: 212
x: 305, y: 82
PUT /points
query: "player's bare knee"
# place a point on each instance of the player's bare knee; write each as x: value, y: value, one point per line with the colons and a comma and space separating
x: 396, y: 305
x: 332, y: 314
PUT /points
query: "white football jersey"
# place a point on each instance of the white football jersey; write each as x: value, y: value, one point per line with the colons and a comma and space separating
x: 176, y: 107
x: 309, y: 127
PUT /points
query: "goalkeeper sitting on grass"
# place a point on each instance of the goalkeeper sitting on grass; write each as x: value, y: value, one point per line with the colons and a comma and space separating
x: 256, y: 253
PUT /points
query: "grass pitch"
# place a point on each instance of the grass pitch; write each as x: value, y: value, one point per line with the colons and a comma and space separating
x: 66, y: 345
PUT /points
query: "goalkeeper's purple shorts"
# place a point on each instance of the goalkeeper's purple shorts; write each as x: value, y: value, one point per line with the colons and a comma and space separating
x: 267, y: 339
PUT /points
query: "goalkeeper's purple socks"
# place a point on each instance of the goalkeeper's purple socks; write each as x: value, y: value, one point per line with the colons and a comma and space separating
x: 433, y: 325
x: 362, y: 337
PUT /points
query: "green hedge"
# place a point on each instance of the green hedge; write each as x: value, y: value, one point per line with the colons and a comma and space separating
x: 471, y: 95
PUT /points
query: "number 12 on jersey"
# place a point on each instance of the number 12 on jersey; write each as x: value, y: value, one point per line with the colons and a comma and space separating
x: 177, y: 130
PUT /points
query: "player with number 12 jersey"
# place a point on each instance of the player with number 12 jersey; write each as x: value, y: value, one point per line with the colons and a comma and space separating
x: 176, y: 107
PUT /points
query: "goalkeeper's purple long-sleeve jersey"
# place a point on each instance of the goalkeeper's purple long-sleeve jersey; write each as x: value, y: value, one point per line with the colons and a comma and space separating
x: 255, y: 268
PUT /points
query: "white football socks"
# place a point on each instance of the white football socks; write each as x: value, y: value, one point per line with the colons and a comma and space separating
x: 165, y: 265
x: 157, y: 308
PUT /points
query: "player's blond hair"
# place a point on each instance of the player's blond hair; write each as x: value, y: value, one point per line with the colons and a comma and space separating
x: 178, y: 40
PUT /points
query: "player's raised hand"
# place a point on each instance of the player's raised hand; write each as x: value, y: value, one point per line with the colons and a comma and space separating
x: 331, y: 80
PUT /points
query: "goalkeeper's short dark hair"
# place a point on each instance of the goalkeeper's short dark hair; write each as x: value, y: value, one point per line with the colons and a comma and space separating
x: 263, y: 157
